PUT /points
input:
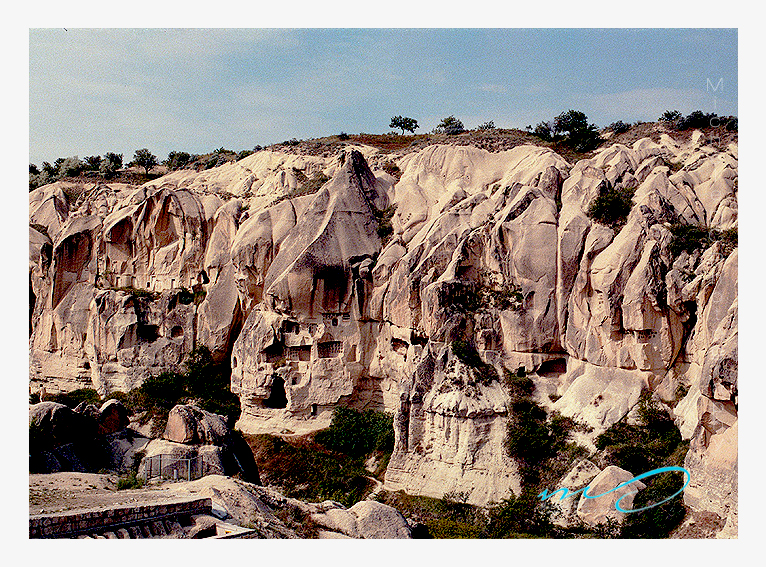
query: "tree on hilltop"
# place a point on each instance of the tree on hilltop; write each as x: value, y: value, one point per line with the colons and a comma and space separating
x: 404, y: 123
x: 110, y: 164
x: 146, y: 159
x: 449, y: 125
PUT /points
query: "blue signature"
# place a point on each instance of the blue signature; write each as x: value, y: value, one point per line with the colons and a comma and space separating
x: 545, y: 496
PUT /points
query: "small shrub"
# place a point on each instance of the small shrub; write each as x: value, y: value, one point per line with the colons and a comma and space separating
x: 524, y: 514
x: 393, y: 170
x: 619, y: 127
x: 343, y: 136
x: 518, y: 383
x: 307, y: 471
x: 688, y: 238
x: 670, y: 116
x: 449, y: 125
x: 544, y: 131
x: 73, y: 193
x: 485, y: 126
x: 482, y: 372
x: 178, y: 160
x: 385, y: 227
x: 185, y: 296
x: 307, y: 185
x: 129, y: 481
x: 697, y: 119
x: 641, y: 448
x: 612, y: 207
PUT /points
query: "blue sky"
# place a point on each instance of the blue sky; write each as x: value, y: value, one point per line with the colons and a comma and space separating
x: 98, y: 90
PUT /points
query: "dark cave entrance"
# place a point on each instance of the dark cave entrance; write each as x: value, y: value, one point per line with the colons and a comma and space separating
x: 277, y: 397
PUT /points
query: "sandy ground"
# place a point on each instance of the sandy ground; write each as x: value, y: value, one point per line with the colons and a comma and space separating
x: 58, y: 492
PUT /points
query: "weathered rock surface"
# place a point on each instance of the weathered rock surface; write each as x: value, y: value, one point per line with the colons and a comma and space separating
x: 315, y: 309
x: 593, y: 511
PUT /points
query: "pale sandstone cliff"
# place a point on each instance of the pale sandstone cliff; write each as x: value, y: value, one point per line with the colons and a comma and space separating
x: 314, y: 310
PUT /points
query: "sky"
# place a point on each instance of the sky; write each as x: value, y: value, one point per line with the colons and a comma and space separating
x: 93, y: 91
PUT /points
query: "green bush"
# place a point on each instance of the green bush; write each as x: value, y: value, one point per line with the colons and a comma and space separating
x: 688, y: 238
x: 177, y: 160
x: 670, y: 116
x: 76, y: 397
x: 486, y: 126
x: 358, y: 434
x: 385, y: 227
x: 306, y: 471
x: 307, y: 186
x: 612, y: 207
x: 524, y: 514
x: 641, y: 448
x: 392, y: 169
x: 482, y: 372
x: 449, y: 125
x: 129, y: 481
x: 659, y: 521
x: 518, y: 383
x: 205, y: 382
x: 532, y: 439
x: 619, y: 127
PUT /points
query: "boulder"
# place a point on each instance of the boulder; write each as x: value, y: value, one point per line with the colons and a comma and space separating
x: 379, y: 521
x: 599, y: 510
x: 191, y: 425
x: 113, y: 417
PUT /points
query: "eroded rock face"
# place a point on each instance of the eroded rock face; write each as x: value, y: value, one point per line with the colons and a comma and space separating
x: 315, y: 309
x: 449, y: 433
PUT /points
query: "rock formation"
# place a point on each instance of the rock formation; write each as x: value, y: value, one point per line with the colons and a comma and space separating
x: 316, y: 306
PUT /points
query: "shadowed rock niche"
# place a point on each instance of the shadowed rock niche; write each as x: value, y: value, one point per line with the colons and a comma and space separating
x: 299, y: 352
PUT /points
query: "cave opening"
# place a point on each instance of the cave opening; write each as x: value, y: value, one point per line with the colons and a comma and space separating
x: 277, y: 397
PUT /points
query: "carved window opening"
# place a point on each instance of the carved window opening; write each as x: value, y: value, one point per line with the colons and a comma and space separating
x: 313, y: 409
x: 330, y: 349
x: 302, y: 352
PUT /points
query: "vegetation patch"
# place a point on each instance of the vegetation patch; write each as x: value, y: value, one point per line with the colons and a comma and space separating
x: 129, y: 481
x: 612, y: 207
x: 385, y: 228
x: 482, y: 372
x: 392, y: 169
x: 688, y: 238
x: 518, y: 383
x: 358, y: 434
x: 329, y: 464
x: 305, y: 469
x: 307, y: 185
x: 654, y: 443
x: 447, y: 518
